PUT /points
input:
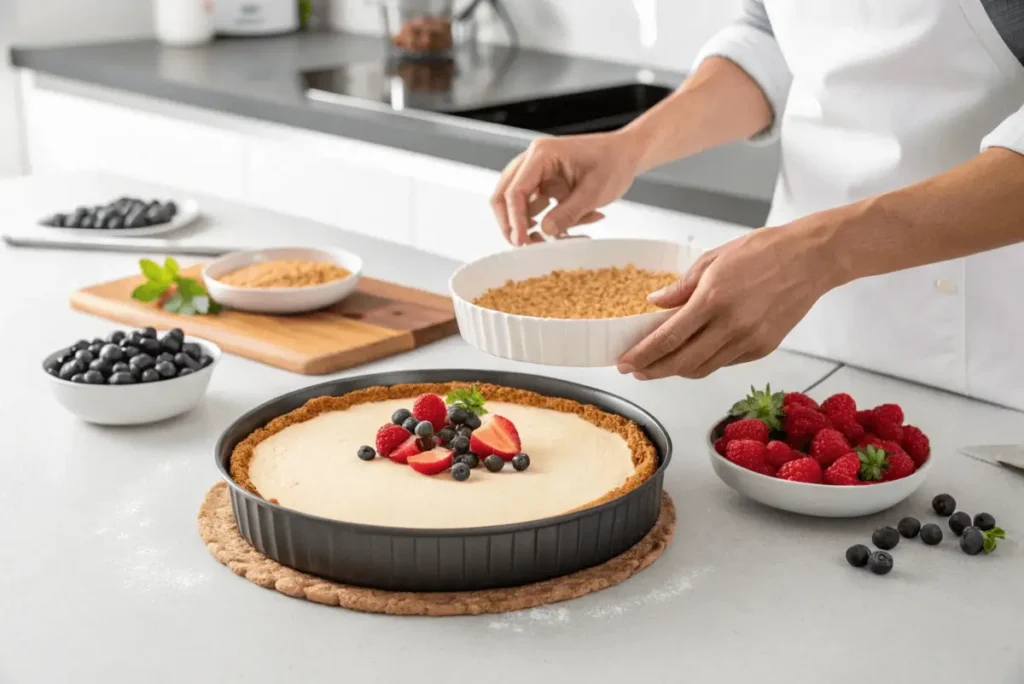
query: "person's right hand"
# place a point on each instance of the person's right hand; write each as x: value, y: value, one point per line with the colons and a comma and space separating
x: 581, y: 173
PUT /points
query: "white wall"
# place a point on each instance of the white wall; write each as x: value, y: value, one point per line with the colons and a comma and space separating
x: 660, y: 33
x: 44, y: 22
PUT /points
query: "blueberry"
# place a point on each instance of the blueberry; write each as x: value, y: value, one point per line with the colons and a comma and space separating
x: 192, y: 349
x: 79, y: 378
x: 366, y: 453
x: 424, y: 430
x: 857, y: 555
x: 176, y: 332
x: 400, y: 416
x: 185, y: 371
x: 80, y: 345
x: 55, y: 372
x: 457, y: 415
x: 470, y: 459
x: 111, y: 353
x: 958, y: 522
x: 410, y: 424
x: 182, y: 360
x: 131, y: 351
x: 149, y: 375
x: 472, y: 420
x: 885, y: 538
x: 165, y: 356
x: 113, y: 222
x: 460, y: 471
x: 151, y: 346
x: 120, y: 367
x: 141, y: 362
x: 931, y: 534
x: 880, y: 563
x: 71, y: 369
x: 205, y: 360
x: 909, y: 527
x: 984, y: 521
x: 972, y: 541
x: 149, y: 332
x: 53, y: 365
x: 464, y: 431
x: 166, y: 369
x: 445, y: 436
x: 94, y: 377
x: 170, y: 344
x: 521, y: 462
x: 116, y: 336
x: 121, y: 379
x: 494, y: 463
x: 85, y: 356
x: 95, y: 348
x: 136, y: 337
x: 944, y: 505
x: 460, y: 445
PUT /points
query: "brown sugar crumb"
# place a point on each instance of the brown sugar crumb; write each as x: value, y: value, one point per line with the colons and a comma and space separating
x: 581, y: 293
x: 284, y: 273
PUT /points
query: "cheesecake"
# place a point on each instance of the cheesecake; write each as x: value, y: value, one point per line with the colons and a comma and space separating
x: 356, y: 458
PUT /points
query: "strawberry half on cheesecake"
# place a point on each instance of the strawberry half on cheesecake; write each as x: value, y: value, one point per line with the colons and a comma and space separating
x: 443, y: 455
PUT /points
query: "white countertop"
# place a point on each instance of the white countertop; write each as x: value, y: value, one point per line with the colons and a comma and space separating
x: 105, y: 578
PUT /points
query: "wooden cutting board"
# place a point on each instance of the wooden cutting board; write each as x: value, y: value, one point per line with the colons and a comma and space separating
x: 378, y: 320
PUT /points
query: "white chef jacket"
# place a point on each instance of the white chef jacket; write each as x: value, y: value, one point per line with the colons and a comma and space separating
x: 870, y: 96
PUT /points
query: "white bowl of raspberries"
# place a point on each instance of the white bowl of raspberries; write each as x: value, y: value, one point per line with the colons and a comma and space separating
x: 831, y: 460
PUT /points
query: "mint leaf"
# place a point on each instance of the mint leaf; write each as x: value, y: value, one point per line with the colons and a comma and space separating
x: 190, y: 287
x: 174, y: 303
x: 471, y: 399
x: 989, y: 538
x: 201, y: 304
x: 153, y: 272
x: 149, y: 291
x: 171, y: 267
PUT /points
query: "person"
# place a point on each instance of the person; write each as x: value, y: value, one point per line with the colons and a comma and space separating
x: 900, y: 192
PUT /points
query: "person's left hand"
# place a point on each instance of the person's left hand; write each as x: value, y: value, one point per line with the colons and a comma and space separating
x: 737, y: 302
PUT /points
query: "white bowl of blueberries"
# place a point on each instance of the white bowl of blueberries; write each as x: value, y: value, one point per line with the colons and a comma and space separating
x: 132, y: 378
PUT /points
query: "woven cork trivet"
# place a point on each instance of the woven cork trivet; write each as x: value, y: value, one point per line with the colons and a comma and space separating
x: 218, y: 529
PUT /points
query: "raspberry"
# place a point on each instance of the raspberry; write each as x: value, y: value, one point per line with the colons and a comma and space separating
x: 804, y: 469
x: 748, y: 428
x: 778, y: 453
x: 799, y: 399
x: 746, y: 453
x: 888, y: 430
x: 900, y: 465
x: 766, y: 469
x: 866, y: 419
x: 720, y: 445
x: 827, y: 446
x: 389, y: 437
x: 801, y: 424
x: 839, y: 405
x: 888, y: 413
x: 845, y: 471
x: 848, y: 425
x: 916, y: 444
x: 431, y: 407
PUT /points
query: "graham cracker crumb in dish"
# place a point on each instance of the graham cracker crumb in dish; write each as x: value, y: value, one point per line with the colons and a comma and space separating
x: 582, y: 293
x: 645, y: 457
x: 284, y: 273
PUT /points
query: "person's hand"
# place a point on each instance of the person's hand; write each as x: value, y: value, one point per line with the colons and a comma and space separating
x: 581, y: 173
x: 738, y: 302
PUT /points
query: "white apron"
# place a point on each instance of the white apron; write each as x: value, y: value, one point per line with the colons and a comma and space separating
x: 886, y: 93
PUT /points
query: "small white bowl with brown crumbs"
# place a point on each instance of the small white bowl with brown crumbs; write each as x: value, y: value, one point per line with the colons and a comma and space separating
x: 283, y: 280
x: 566, y: 302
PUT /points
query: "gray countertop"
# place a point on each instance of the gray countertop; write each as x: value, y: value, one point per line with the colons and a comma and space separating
x: 106, y: 580
x: 259, y: 78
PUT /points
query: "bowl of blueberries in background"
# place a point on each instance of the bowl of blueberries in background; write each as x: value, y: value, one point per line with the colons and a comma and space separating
x: 125, y: 217
x: 133, y: 377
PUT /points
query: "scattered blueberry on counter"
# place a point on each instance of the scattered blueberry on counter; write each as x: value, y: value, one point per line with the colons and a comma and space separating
x: 944, y: 505
x: 959, y: 522
x: 880, y: 562
x: 909, y: 527
x: 460, y: 471
x: 521, y: 462
x: 127, y: 358
x: 121, y: 214
x: 857, y: 555
x: 885, y: 538
x: 931, y: 534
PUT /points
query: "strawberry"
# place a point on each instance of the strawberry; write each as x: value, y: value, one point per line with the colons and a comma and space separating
x: 496, y: 436
x: 778, y: 453
x: 804, y: 469
x: 888, y: 413
x: 869, y: 440
x: 839, y: 405
x: 765, y: 406
x: 801, y: 424
x: 873, y: 463
x: 848, y: 425
x: 799, y: 399
x: 748, y: 428
x: 844, y: 471
x: 432, y: 462
x: 389, y: 437
x: 888, y: 430
x: 890, y: 447
x: 410, y: 447
x: 827, y: 446
x: 866, y: 419
x: 720, y: 445
x: 900, y: 465
x: 746, y: 453
x: 916, y: 444
x: 430, y: 407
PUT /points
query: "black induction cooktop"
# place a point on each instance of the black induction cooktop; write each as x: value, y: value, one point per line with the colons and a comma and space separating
x: 519, y: 89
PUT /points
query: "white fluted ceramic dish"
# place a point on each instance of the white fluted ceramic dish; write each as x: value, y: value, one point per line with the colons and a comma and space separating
x: 556, y: 341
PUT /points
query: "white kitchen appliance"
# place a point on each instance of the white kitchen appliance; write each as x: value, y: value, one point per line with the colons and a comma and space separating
x: 256, y: 17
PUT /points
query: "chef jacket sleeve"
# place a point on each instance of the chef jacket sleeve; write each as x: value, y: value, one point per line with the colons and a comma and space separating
x: 750, y: 43
x: 1009, y: 134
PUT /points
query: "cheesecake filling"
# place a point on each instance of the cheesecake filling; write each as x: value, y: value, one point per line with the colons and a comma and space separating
x: 312, y: 467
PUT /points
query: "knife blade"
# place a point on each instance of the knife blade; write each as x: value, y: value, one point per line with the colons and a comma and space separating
x: 1009, y: 456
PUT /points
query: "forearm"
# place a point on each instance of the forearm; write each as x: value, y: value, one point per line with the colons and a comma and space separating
x: 971, y: 208
x: 717, y: 104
